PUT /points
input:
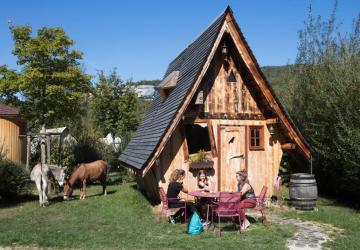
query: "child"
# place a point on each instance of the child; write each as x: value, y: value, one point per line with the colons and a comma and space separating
x: 203, y: 182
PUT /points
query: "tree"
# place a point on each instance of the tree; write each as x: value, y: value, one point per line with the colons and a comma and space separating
x: 8, y: 89
x: 114, y: 107
x: 325, y: 102
x: 50, y: 85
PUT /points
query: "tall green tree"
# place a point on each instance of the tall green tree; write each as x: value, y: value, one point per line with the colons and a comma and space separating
x: 325, y: 86
x: 114, y: 107
x: 50, y: 85
x: 8, y: 89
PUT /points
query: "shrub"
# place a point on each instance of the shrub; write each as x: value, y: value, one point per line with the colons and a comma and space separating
x: 325, y: 90
x: 87, y: 149
x: 14, y: 179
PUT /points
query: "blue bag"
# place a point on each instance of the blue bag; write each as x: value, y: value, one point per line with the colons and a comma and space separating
x: 195, y: 226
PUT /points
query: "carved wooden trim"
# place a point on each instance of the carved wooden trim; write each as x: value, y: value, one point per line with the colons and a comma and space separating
x: 212, y: 139
x: 237, y: 116
x: 184, y: 141
x: 288, y: 146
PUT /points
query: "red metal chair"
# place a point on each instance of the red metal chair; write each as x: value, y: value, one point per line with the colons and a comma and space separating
x: 260, y: 203
x: 165, y: 205
x: 226, y: 207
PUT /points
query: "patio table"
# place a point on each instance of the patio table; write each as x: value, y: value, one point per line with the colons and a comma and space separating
x: 203, y: 194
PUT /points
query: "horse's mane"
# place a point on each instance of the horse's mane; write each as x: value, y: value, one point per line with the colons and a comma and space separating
x: 72, y: 173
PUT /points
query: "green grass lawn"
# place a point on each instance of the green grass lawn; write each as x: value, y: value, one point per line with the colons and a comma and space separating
x: 330, y: 212
x: 123, y: 219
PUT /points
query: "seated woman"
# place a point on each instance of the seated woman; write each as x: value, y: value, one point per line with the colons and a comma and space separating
x: 248, y: 198
x: 175, y: 186
x: 203, y: 182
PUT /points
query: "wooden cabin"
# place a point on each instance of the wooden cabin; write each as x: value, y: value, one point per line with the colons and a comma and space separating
x: 12, y: 134
x: 215, y: 100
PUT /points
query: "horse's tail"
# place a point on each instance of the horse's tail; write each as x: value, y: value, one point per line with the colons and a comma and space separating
x: 33, y: 172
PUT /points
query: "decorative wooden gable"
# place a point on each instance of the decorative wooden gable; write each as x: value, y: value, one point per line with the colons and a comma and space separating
x: 227, y: 90
x: 227, y: 93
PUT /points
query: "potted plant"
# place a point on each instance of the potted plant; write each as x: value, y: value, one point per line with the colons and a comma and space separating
x: 200, y: 160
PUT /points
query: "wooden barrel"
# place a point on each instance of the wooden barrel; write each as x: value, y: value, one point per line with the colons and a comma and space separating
x: 303, y: 191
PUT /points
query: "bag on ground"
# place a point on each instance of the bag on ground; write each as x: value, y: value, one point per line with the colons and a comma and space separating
x: 195, y: 226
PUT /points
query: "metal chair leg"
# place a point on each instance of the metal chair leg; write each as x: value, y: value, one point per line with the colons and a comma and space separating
x: 219, y: 228
x: 186, y: 220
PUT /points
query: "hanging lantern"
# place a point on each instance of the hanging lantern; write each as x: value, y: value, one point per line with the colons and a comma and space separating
x: 224, y: 49
x: 271, y: 130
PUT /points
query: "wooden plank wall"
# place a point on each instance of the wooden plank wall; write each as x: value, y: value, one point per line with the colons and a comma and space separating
x: 12, y: 143
x: 224, y: 97
x: 263, y: 166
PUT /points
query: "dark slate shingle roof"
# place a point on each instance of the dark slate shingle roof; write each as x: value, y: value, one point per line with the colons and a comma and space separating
x: 159, y: 116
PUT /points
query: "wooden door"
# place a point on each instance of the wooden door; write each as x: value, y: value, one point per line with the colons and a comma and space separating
x: 233, y: 156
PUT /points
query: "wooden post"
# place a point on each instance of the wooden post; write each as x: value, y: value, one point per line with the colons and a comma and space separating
x: 28, y: 147
x: 42, y: 144
x: 48, y: 138
x: 60, y: 150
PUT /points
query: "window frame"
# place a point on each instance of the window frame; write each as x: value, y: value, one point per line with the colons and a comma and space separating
x: 212, y: 152
x: 261, y: 138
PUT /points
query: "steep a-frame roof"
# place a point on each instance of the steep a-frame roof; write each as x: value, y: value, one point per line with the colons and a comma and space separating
x: 189, y: 64
x: 165, y: 113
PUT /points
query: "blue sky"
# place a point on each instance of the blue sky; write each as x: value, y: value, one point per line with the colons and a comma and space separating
x: 140, y: 38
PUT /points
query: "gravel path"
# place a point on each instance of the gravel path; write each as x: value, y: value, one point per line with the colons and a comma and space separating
x: 308, y: 236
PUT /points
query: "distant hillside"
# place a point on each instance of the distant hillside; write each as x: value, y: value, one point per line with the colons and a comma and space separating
x: 276, y: 75
x: 146, y: 82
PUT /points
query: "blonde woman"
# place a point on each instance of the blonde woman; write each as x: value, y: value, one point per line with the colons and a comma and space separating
x: 248, y: 198
x: 174, y: 189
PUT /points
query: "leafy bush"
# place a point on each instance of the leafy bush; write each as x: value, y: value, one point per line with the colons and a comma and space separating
x: 14, y: 179
x: 87, y: 149
x: 325, y: 103
x: 200, y: 156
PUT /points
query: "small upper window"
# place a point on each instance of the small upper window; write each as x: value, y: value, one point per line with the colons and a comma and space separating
x: 168, y: 84
x: 256, y: 138
x: 197, y: 137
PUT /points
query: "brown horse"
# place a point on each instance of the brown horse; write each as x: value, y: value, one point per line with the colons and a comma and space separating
x: 92, y: 171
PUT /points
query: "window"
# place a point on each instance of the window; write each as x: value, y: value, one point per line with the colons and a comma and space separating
x: 197, y: 137
x: 256, y: 138
x: 231, y: 77
x: 164, y: 93
x: 168, y: 84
